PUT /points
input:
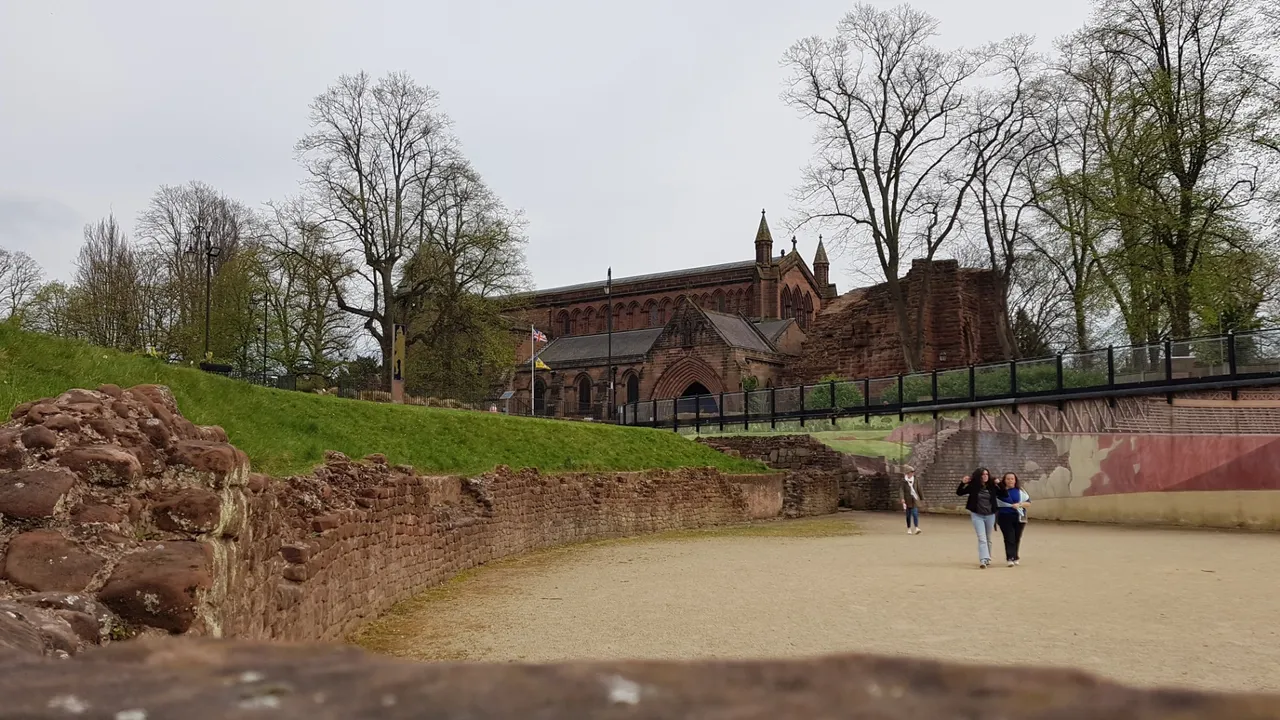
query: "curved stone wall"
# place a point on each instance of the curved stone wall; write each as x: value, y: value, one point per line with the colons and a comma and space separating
x: 120, y: 517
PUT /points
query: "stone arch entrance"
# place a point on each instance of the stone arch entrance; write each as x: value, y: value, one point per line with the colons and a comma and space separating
x: 683, y: 374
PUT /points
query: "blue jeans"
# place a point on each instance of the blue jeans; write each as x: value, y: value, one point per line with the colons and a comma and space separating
x: 913, y: 516
x: 985, y: 527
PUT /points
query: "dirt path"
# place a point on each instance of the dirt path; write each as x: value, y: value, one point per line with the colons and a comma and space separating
x: 1160, y: 607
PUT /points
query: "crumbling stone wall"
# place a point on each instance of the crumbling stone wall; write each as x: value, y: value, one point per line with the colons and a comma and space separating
x: 860, y: 483
x: 120, y: 517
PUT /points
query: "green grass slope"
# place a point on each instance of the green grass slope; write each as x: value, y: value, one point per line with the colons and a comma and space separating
x: 286, y: 432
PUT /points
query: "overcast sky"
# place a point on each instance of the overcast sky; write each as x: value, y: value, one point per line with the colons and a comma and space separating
x: 646, y: 136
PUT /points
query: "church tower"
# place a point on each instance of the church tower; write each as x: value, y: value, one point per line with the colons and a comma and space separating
x: 764, y: 243
x: 822, y: 272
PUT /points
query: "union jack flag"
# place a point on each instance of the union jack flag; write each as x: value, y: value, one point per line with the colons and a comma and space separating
x: 539, y: 336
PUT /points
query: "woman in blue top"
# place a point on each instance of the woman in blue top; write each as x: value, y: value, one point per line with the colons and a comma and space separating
x: 1011, y: 514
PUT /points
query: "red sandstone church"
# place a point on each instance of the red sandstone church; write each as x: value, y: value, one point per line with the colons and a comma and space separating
x: 762, y: 322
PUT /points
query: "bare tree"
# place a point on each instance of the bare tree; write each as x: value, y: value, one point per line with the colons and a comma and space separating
x: 178, y: 258
x: 892, y: 130
x: 20, y: 278
x: 375, y: 151
x: 107, y: 302
x: 1003, y: 146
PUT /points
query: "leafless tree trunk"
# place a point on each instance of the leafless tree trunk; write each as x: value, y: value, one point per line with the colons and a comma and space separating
x: 373, y: 149
x: 892, y: 128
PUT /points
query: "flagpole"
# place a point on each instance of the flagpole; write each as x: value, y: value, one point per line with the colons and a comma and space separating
x: 533, y: 355
x: 608, y: 293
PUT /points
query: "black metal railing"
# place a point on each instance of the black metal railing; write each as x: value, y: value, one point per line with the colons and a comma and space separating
x: 1219, y: 362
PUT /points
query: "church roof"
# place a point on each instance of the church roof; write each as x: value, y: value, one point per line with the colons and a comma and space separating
x: 772, y: 329
x: 576, y: 349
x: 738, y: 331
x: 670, y: 274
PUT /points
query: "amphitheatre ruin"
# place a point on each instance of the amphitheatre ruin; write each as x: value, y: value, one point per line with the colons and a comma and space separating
x: 149, y: 571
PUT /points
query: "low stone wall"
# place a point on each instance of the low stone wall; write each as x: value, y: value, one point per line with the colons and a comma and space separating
x: 865, y: 484
x: 119, y: 517
x: 402, y: 533
x: 191, y: 679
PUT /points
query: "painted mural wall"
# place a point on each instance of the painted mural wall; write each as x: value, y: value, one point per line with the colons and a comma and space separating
x: 1206, y: 460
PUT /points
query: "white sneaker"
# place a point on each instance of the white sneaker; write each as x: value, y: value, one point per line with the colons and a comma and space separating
x: 909, y: 532
x: 1012, y: 563
x: 1017, y: 562
x: 918, y: 531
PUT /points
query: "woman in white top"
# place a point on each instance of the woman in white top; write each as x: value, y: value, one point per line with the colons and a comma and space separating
x: 1011, y: 515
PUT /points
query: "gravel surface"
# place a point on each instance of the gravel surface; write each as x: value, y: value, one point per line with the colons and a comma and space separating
x: 1143, y: 606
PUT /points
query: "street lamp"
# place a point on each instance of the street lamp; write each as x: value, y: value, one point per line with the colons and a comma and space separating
x: 210, y: 252
x: 266, y: 307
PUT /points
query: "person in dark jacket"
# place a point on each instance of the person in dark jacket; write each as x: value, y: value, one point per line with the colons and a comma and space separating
x: 982, y: 500
x: 1011, y: 515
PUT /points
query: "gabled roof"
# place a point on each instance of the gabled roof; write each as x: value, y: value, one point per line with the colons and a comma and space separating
x: 773, y: 329
x: 669, y: 275
x: 577, y: 349
x: 738, y: 331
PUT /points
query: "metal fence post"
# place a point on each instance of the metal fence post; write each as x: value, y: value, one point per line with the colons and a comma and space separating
x: 801, y: 404
x: 1013, y: 378
x: 834, y: 408
x: 773, y: 408
x: 866, y: 399
x: 653, y: 419
x: 1111, y: 366
x: 1232, y: 367
x: 720, y: 406
x: 746, y: 410
x: 697, y: 414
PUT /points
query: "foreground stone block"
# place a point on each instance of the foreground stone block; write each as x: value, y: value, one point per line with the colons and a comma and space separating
x: 159, y: 585
x: 197, y: 680
x: 44, y: 560
x: 35, y: 493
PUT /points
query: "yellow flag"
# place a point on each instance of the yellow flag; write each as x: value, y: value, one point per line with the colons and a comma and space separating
x: 537, y: 363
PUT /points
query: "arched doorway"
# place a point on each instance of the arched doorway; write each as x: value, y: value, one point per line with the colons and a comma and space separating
x: 539, y: 397
x: 633, y: 388
x: 584, y: 395
x: 696, y: 399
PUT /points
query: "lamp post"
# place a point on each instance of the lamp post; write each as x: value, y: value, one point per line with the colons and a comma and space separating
x: 608, y: 293
x: 266, y: 307
x: 210, y: 251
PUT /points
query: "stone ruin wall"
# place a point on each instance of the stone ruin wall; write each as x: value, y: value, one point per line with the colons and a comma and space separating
x: 821, y: 478
x: 119, y: 517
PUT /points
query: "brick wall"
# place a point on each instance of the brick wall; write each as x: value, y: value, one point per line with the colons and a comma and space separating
x: 860, y: 483
x: 403, y: 533
x: 856, y: 335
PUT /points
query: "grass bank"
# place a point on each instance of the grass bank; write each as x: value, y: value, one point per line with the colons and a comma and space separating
x: 287, y: 432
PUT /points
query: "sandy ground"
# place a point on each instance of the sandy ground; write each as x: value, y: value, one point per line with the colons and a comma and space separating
x: 1143, y: 606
